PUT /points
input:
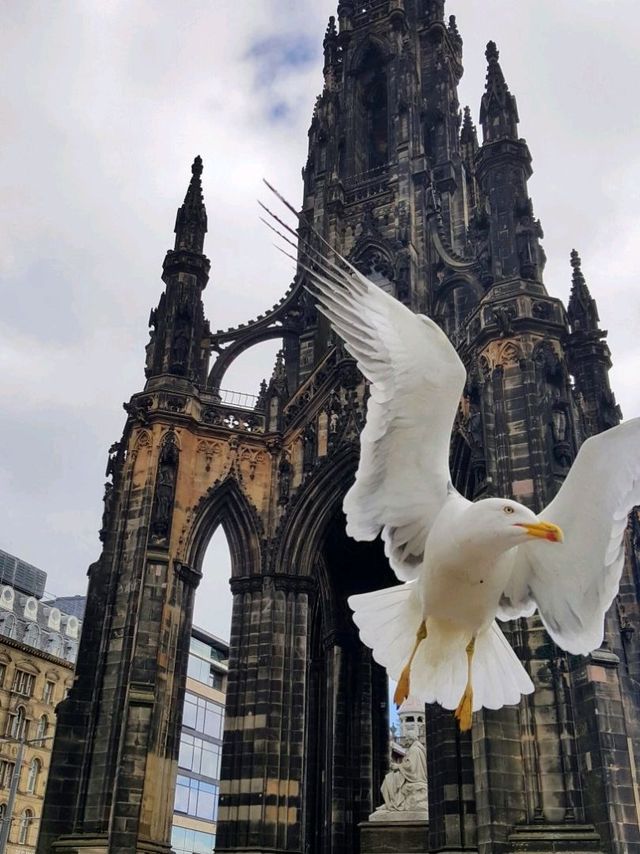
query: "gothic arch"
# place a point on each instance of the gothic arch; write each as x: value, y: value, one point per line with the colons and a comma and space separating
x: 457, y: 297
x: 238, y: 347
x: 372, y: 126
x: 226, y: 504
x: 375, y: 259
x: 317, y: 501
x: 368, y: 45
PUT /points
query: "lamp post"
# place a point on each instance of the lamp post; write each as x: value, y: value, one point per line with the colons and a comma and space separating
x: 13, y: 788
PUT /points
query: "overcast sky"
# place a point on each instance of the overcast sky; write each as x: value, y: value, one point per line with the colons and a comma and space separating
x: 104, y: 104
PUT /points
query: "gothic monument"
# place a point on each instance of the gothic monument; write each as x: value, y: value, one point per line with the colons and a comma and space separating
x: 398, y: 181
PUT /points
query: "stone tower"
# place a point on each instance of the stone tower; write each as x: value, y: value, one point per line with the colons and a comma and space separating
x: 396, y: 179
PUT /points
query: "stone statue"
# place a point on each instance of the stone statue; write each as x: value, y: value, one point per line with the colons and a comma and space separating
x: 404, y: 789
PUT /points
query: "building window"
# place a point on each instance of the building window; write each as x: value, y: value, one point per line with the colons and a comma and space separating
x: 205, y: 672
x: 201, y: 757
x: 32, y: 635
x: 26, y: 820
x: 196, y: 798
x: 3, y: 670
x: 6, y: 773
x: 47, y: 696
x: 17, y: 724
x: 43, y: 726
x: 186, y: 841
x: 202, y: 715
x: 32, y: 777
x: 23, y: 683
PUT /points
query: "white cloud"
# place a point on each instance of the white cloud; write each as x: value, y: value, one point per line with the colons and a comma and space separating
x: 104, y: 106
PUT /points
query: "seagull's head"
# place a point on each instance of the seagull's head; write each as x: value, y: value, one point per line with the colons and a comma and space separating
x: 507, y: 523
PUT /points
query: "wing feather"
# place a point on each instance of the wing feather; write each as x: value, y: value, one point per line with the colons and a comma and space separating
x: 416, y: 381
x: 574, y: 584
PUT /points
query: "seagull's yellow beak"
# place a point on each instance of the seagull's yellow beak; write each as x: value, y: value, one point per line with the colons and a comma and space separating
x: 543, y: 530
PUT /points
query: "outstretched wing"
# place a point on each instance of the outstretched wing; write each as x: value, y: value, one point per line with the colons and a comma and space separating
x: 416, y: 380
x: 573, y: 584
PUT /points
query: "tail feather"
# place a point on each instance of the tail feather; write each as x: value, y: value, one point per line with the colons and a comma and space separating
x: 439, y: 671
x: 388, y: 621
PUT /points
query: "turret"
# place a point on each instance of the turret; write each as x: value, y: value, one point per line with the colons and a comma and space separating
x: 503, y: 167
x: 589, y: 356
x: 178, y: 328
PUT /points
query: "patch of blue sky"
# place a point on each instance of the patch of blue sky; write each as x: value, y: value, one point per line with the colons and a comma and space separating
x: 280, y: 54
x: 279, y: 111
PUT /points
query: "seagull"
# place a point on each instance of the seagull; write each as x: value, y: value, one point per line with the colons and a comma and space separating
x: 463, y: 565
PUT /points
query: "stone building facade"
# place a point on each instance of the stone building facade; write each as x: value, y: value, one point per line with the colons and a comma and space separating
x: 38, y: 647
x: 399, y: 181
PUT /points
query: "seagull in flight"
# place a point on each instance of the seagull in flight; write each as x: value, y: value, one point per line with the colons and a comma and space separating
x: 463, y: 565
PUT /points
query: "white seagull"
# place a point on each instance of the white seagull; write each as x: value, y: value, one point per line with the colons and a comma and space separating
x: 464, y: 564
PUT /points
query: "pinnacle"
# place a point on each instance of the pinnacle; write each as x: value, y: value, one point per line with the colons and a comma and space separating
x: 582, y: 309
x: 331, y: 27
x: 468, y: 133
x: 191, y: 221
x: 454, y: 32
x: 578, y: 278
x: 497, y: 102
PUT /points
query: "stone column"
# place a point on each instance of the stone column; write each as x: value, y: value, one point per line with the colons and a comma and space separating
x: 262, y: 762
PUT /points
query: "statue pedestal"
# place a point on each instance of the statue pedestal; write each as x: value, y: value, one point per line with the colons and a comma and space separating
x: 556, y: 839
x: 381, y: 835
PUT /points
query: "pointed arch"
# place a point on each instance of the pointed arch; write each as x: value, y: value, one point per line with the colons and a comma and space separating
x: 371, y: 105
x: 226, y: 504
x: 316, y: 503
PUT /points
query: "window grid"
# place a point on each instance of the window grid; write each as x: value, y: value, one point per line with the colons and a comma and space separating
x: 6, y: 773
x: 202, y: 715
x: 201, y: 757
x: 196, y: 798
x: 23, y: 683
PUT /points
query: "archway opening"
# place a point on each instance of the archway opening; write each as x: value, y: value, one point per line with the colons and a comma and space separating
x: 241, y: 383
x: 348, y: 711
x: 201, y: 736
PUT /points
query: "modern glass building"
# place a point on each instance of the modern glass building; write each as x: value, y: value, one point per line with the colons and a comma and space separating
x: 198, y: 785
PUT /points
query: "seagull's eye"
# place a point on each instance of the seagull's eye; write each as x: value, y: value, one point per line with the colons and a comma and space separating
x: 508, y: 510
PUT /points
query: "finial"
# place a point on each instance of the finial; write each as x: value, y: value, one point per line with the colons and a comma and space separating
x: 331, y: 27
x: 492, y: 53
x: 581, y: 310
x: 454, y: 32
x: 191, y: 221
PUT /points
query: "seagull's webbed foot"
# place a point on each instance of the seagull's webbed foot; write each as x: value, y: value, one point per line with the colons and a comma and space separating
x: 404, y: 683
x: 464, y: 712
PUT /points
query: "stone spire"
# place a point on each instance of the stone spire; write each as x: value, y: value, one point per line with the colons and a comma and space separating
x: 468, y: 134
x: 498, y: 110
x: 178, y: 326
x: 582, y: 310
x: 331, y: 47
x: 191, y: 221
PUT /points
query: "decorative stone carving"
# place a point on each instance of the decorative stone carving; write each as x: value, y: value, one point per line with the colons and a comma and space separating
x: 404, y: 789
x: 165, y: 491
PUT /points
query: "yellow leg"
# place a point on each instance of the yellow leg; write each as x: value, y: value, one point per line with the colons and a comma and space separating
x: 464, y: 712
x: 402, y: 688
